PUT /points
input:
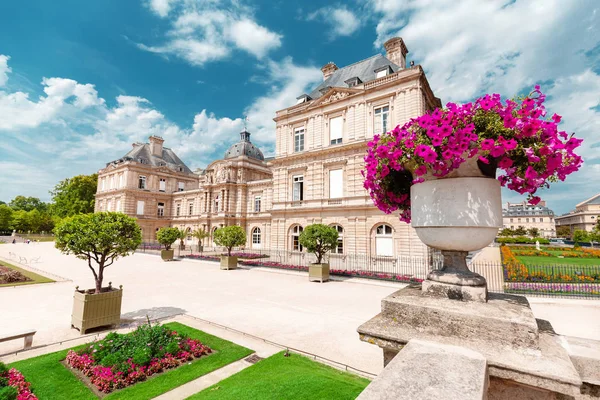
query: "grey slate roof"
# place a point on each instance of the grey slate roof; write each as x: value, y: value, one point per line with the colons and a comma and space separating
x: 244, y: 147
x: 593, y: 200
x: 364, y: 70
x: 528, y: 210
x: 141, y: 153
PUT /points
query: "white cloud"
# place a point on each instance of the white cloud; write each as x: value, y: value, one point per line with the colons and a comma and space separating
x: 202, y: 32
x: 4, y: 69
x: 253, y: 38
x: 161, y: 7
x: 342, y: 21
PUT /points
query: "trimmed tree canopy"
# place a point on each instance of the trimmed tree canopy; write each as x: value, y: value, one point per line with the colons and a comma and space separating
x: 229, y: 237
x: 319, y: 239
x: 167, y: 236
x: 102, y: 237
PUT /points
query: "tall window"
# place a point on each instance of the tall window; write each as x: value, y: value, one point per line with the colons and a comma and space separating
x: 216, y: 204
x: 299, y: 139
x: 140, y: 207
x: 112, y: 182
x: 298, y: 189
x: 384, y: 243
x: 103, y: 183
x: 380, y: 121
x: 109, y: 205
x: 180, y: 186
x: 191, y: 209
x: 340, y: 244
x: 178, y: 209
x: 256, y: 237
x: 296, y: 231
x: 336, y: 126
x: 142, y: 182
x: 162, y: 184
x: 257, y: 204
x: 120, y: 180
x: 118, y: 205
x: 161, y: 209
x: 336, y: 183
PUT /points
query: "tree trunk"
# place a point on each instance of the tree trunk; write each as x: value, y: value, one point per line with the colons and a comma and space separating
x: 99, y: 280
x: 229, y: 251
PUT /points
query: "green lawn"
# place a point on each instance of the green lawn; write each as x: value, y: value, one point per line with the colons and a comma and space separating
x: 290, y: 378
x: 534, y: 260
x: 51, y: 380
x: 35, y: 278
x: 39, y: 238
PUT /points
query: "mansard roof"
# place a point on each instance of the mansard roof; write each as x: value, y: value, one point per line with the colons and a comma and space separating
x: 141, y: 153
x: 363, y: 70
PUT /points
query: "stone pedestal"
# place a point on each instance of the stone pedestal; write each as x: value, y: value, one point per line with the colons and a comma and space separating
x: 503, y: 330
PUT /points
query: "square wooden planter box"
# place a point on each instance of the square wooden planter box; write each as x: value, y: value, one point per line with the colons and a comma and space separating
x: 167, y: 255
x: 94, y: 310
x: 229, y: 262
x: 318, y: 272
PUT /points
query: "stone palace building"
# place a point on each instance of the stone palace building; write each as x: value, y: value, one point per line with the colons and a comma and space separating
x: 584, y: 217
x: 314, y: 177
x: 529, y: 216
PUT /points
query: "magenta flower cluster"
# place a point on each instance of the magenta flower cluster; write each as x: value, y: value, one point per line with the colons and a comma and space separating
x: 514, y: 136
x: 17, y: 380
x: 106, y: 379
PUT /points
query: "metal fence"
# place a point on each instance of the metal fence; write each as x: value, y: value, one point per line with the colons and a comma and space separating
x: 568, y: 281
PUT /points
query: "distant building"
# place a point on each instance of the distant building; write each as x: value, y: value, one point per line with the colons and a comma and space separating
x: 315, y: 176
x: 529, y: 216
x: 584, y: 217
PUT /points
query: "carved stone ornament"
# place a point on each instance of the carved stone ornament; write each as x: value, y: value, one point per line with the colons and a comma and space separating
x: 335, y: 97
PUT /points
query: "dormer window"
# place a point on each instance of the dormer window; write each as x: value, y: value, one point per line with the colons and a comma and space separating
x: 353, y: 81
x: 383, y: 71
x: 303, y: 99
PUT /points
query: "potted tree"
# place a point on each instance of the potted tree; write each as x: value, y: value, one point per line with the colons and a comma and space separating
x: 100, y: 239
x: 182, y: 235
x: 200, y: 234
x: 439, y: 171
x: 319, y: 239
x: 167, y: 236
x: 229, y: 237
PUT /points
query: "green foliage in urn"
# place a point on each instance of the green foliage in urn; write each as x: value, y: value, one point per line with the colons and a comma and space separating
x: 99, y: 238
x: 167, y: 236
x: 230, y: 237
x: 319, y: 239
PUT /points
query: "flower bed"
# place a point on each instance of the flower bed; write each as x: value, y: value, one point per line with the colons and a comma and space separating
x: 8, y: 275
x: 553, y: 288
x: 531, y: 253
x: 340, y: 272
x: 119, y: 360
x: 13, y: 385
x: 250, y: 256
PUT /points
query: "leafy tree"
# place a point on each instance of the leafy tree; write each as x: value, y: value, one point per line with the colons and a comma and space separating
x: 581, y: 236
x: 20, y: 221
x: 533, y: 232
x: 506, y: 232
x: 74, y: 195
x: 101, y: 237
x: 520, y: 231
x: 200, y: 234
x: 230, y: 237
x: 182, y: 235
x: 27, y: 204
x: 563, y: 231
x: 6, y: 214
x: 167, y: 236
x: 319, y: 239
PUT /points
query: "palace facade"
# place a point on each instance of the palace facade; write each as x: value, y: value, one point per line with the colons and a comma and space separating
x: 314, y: 177
x: 528, y: 216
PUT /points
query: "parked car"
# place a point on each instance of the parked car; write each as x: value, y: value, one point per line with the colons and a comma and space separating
x: 557, y: 242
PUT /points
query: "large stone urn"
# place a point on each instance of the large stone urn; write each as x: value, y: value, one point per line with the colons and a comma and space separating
x: 457, y: 215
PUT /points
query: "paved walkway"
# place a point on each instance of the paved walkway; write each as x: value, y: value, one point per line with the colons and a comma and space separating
x: 282, y: 307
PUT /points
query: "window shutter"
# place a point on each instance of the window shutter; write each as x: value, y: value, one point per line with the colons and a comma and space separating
x: 163, y: 185
x: 336, y: 183
x: 384, y: 246
x: 140, y: 207
x: 335, y: 128
x: 378, y: 127
x: 296, y: 194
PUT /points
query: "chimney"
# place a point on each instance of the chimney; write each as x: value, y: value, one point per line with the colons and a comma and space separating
x: 328, y: 69
x: 156, y: 145
x: 396, y: 51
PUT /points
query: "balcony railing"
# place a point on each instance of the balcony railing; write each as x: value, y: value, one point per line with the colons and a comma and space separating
x: 356, y: 201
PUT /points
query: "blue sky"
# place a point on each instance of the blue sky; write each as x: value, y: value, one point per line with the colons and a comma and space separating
x: 81, y: 81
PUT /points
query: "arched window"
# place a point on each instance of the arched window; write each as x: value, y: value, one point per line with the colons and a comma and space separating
x: 256, y: 238
x: 384, y: 242
x: 296, y: 231
x: 340, y: 246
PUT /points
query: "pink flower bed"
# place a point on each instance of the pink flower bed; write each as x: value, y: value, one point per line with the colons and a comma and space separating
x: 106, y: 379
x: 341, y: 272
x: 247, y: 255
x: 17, y: 380
x: 202, y: 257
